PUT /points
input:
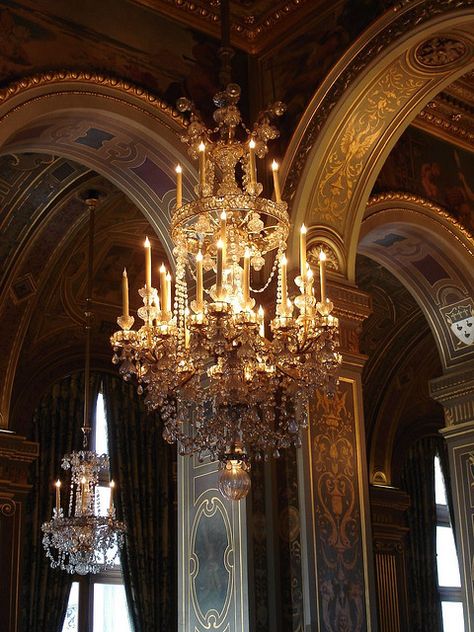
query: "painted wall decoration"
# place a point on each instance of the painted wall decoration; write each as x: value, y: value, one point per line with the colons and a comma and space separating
x: 339, y: 554
x: 434, y: 169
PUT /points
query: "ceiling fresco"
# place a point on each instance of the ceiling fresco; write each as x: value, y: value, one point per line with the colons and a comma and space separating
x: 55, y: 336
x: 434, y: 169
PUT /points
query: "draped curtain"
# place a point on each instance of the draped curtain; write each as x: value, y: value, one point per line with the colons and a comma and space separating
x: 144, y: 466
x: 57, y: 428
x: 418, y: 481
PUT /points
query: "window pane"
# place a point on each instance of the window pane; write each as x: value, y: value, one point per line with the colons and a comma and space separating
x: 453, y: 620
x: 71, y: 621
x: 440, y: 487
x: 110, y: 609
x: 102, y: 499
x: 448, y: 568
x: 101, y: 439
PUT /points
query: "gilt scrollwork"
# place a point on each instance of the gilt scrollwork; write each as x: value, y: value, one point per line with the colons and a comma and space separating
x: 337, y: 513
x: 358, y: 138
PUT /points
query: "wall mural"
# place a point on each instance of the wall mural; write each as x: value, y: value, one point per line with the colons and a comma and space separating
x: 434, y: 169
x: 152, y: 51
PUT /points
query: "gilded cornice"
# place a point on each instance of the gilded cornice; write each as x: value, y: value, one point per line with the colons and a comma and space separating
x: 97, y: 80
x: 251, y: 33
x: 437, y: 212
x: 402, y: 22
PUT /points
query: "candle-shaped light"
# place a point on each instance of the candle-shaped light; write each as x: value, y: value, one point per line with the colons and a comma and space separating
x: 309, y: 281
x: 111, y: 499
x: 284, y: 286
x: 246, y: 278
x: 125, y: 305
x: 199, y: 283
x: 303, y: 231
x: 253, y: 168
x: 223, y: 236
x: 168, y: 293
x: 163, y: 286
x: 57, y: 484
x: 202, y: 165
x: 322, y: 275
x: 220, y: 247
x: 276, y: 181
x: 261, y: 321
x: 179, y: 186
x: 83, y: 494
x: 148, y: 263
x: 187, y: 333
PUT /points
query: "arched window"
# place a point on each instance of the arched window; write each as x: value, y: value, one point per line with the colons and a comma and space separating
x: 97, y: 603
x: 449, y: 581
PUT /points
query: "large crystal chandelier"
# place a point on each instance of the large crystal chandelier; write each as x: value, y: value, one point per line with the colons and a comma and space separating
x: 229, y: 382
x: 84, y: 539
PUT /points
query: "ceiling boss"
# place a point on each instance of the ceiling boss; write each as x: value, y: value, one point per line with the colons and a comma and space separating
x: 225, y: 382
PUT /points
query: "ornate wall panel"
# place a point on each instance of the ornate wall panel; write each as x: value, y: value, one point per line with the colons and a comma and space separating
x: 212, y: 579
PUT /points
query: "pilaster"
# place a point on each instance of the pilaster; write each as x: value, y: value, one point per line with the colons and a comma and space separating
x: 16, y: 455
x: 336, y: 531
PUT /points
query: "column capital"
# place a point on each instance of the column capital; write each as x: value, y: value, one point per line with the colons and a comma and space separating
x: 455, y: 392
x: 16, y: 456
x: 352, y: 306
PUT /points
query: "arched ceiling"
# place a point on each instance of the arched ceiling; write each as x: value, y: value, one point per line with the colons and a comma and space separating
x: 42, y: 287
x: 402, y: 359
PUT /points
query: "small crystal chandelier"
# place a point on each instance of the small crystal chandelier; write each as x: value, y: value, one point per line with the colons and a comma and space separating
x: 83, y: 541
x: 227, y: 385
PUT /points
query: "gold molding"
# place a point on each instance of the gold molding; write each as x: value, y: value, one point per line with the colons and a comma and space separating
x: 94, y: 79
x: 393, y: 198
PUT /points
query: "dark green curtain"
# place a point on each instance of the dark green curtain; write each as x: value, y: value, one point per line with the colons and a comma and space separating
x: 144, y: 466
x: 57, y: 428
x: 418, y: 481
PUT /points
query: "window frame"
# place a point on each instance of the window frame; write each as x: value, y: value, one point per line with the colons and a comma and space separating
x: 446, y: 593
x: 114, y: 576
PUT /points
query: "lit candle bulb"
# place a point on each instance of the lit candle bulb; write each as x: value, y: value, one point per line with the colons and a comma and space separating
x: 125, y: 306
x: 220, y: 246
x: 276, y: 181
x: 246, y: 279
x: 168, y: 293
x: 199, y: 283
x: 179, y: 186
x: 303, y: 231
x: 163, y: 286
x: 58, y: 495
x: 202, y: 166
x: 111, y: 500
x: 261, y: 320
x: 284, y: 286
x: 148, y: 263
x: 253, y: 168
x: 322, y: 275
